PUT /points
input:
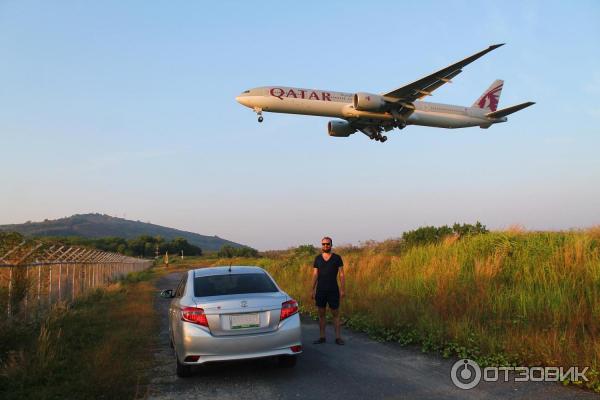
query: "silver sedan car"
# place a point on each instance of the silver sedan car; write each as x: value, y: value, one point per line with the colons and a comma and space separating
x: 231, y: 313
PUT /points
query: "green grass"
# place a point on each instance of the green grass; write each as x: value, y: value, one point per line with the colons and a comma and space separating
x: 97, y: 348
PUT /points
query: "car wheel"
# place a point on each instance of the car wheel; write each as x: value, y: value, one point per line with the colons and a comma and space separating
x: 287, y: 361
x: 183, y: 370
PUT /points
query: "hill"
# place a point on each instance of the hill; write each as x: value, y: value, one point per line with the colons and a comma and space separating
x: 101, y: 225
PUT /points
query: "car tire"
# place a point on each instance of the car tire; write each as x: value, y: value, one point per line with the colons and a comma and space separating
x: 287, y: 361
x: 183, y: 370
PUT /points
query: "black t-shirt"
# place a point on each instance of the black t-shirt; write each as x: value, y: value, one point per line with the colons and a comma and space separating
x: 327, y: 277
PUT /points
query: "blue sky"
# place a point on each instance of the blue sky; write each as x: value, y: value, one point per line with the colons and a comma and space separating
x: 127, y: 108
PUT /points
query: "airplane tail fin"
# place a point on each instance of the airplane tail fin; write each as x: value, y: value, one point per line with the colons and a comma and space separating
x: 490, y: 98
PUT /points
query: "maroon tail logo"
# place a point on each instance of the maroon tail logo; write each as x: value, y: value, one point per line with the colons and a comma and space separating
x: 492, y: 96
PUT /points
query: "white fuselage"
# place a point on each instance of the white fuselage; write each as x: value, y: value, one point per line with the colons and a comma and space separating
x: 339, y: 105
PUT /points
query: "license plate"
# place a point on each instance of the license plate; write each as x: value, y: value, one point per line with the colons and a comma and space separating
x: 242, y: 321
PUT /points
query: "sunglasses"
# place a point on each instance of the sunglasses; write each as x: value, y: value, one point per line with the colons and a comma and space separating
x: 325, y: 244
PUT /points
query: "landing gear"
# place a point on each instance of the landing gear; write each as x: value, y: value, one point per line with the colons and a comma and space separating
x: 374, y: 133
x: 399, y: 118
x: 258, y: 112
x: 379, y: 138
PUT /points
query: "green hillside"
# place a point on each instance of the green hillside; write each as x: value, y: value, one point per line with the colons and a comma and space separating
x: 101, y: 225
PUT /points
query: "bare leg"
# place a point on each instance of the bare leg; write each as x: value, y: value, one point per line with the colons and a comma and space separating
x: 322, y: 321
x: 336, y: 322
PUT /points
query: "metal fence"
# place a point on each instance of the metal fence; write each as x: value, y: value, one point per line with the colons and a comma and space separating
x: 36, y: 275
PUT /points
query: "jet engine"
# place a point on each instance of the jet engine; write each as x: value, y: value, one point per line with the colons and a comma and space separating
x: 340, y: 128
x: 368, y: 102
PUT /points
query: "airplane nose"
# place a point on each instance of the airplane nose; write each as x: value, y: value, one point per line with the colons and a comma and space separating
x: 243, y: 100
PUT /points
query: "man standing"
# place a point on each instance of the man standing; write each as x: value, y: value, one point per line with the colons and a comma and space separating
x: 325, y: 289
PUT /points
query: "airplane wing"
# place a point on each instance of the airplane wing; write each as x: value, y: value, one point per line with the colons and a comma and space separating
x: 424, y: 86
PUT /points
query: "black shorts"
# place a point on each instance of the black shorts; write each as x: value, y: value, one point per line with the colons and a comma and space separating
x: 331, y: 297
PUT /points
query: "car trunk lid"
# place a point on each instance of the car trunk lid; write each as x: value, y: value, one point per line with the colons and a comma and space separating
x: 242, y: 314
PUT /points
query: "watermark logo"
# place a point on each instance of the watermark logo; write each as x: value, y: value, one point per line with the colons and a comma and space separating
x: 466, y: 374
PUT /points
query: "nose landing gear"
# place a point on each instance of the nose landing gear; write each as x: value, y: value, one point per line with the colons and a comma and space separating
x: 258, y: 112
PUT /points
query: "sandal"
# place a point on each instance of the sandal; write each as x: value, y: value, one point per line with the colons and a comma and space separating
x: 319, y: 341
x: 340, y: 341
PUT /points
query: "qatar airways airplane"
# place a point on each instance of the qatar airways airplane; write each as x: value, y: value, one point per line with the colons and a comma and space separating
x: 373, y: 114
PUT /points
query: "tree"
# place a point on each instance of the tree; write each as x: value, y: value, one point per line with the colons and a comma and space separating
x: 228, y: 251
x: 432, y: 234
x: 180, y: 244
x: 305, y: 250
x: 425, y: 235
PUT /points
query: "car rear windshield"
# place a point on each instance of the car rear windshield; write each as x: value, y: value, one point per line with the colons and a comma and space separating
x: 218, y: 285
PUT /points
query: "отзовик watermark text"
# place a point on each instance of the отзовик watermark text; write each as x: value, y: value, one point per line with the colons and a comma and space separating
x: 466, y: 374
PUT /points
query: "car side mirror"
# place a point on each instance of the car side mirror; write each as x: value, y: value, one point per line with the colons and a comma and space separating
x: 167, y: 294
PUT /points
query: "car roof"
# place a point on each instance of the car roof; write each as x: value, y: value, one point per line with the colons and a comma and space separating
x: 235, y: 269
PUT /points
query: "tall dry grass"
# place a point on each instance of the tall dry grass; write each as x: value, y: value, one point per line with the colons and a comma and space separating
x: 522, y: 297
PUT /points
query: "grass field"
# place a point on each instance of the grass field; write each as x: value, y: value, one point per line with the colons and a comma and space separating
x: 99, y: 347
x: 501, y: 298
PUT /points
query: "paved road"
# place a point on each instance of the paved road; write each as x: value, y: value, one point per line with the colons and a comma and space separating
x: 363, y: 369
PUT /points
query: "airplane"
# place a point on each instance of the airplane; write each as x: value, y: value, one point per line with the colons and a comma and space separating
x: 373, y: 114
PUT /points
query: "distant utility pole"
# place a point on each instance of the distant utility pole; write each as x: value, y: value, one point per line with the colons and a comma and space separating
x: 182, y: 254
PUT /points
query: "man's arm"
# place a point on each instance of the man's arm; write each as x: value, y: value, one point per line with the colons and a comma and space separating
x: 313, y: 286
x: 342, y: 281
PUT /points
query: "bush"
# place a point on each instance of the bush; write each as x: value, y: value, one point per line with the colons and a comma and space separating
x: 228, y: 251
x: 305, y: 250
x: 432, y: 234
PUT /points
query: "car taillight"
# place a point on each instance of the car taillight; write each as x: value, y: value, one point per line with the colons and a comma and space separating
x: 194, y: 315
x: 288, y: 309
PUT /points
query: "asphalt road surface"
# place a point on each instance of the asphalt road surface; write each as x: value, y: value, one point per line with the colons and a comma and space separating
x: 362, y: 369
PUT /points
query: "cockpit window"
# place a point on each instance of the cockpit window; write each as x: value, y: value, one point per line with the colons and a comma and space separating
x: 246, y: 91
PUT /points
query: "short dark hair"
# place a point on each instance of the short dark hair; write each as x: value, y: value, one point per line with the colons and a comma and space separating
x: 327, y: 238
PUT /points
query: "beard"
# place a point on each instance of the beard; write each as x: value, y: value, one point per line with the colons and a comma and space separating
x: 327, y: 250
